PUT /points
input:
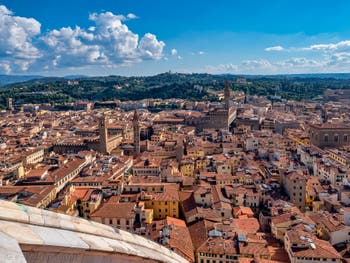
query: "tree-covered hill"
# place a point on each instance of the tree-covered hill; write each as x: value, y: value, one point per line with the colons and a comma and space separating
x: 168, y: 85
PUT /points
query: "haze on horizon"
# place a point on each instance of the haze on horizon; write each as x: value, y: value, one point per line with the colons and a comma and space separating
x: 146, y: 37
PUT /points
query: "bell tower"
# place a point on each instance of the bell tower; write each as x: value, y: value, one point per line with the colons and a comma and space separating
x: 136, y: 126
x: 103, y: 134
x: 227, y: 95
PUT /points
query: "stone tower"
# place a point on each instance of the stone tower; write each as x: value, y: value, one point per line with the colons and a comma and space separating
x: 136, y: 126
x: 103, y: 134
x: 10, y: 107
x: 227, y: 95
x: 179, y: 149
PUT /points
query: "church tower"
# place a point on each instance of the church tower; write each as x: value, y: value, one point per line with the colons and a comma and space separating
x: 136, y: 126
x: 103, y: 134
x: 227, y: 95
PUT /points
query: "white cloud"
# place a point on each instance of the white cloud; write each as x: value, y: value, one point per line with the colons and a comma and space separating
x: 92, y: 28
x: 275, y: 48
x: 222, y: 68
x: 256, y: 64
x: 201, y: 52
x: 131, y: 16
x: 342, y: 45
x: 299, y: 62
x: 150, y: 47
x: 5, y: 67
x: 109, y: 42
x: 339, y: 60
x: 173, y: 52
x: 16, y: 39
x: 179, y: 57
x: 71, y: 47
x: 262, y: 66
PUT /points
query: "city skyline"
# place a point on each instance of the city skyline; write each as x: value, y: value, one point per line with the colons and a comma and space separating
x: 146, y: 38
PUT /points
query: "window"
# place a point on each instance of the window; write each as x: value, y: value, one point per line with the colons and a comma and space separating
x: 345, y: 138
x: 336, y: 138
x: 325, y: 138
x: 110, y: 221
x: 118, y: 221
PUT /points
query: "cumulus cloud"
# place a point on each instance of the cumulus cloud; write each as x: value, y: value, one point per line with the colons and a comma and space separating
x: 299, y: 62
x: 109, y: 42
x: 201, y: 52
x: 263, y: 66
x: 16, y: 41
x: 150, y: 47
x: 275, y: 48
x: 340, y: 46
x: 341, y: 60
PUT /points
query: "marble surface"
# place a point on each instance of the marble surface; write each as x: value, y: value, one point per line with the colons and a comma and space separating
x: 27, y: 226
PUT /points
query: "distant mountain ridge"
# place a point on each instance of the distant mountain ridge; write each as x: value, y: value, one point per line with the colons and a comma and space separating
x: 9, y: 79
x: 12, y: 79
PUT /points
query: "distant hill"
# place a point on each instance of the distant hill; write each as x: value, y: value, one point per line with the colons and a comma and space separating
x: 76, y: 77
x: 174, y: 77
x: 9, y: 79
x: 38, y: 89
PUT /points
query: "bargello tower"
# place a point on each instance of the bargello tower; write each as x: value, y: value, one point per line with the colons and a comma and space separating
x: 136, y: 126
x: 103, y: 134
x: 227, y: 96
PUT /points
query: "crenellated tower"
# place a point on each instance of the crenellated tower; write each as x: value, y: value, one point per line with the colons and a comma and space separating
x: 103, y: 134
x: 227, y: 95
x: 136, y: 126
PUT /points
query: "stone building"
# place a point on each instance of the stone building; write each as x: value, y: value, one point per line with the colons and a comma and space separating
x: 104, y: 144
x: 294, y: 184
x: 329, y: 135
x: 218, y: 118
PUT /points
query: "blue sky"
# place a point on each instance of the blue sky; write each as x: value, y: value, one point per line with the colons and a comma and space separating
x: 143, y: 37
